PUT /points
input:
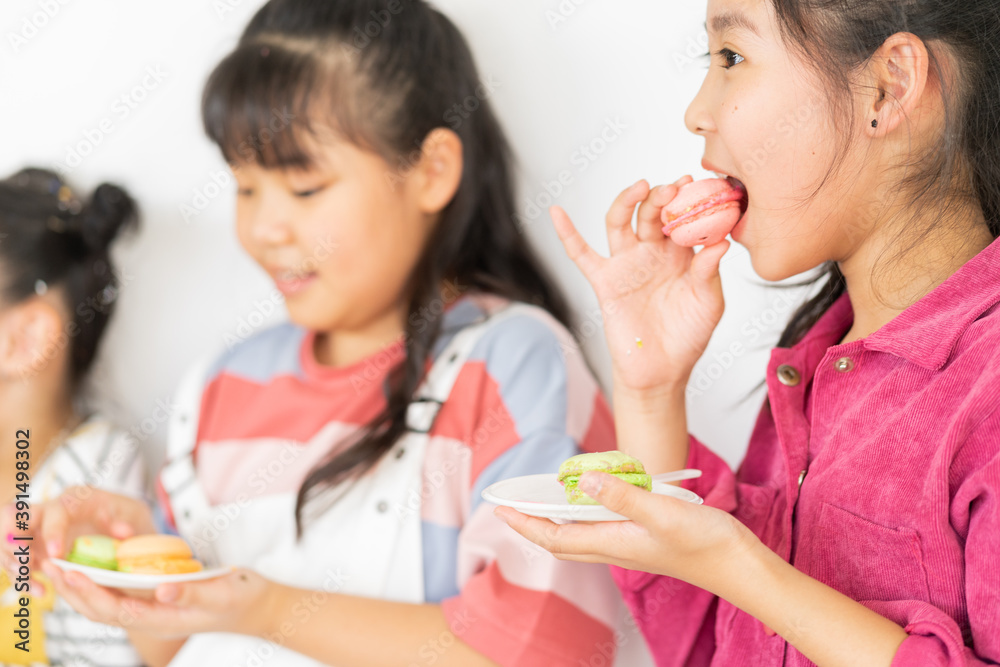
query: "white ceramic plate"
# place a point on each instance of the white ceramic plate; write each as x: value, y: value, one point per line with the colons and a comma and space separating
x: 114, y: 579
x: 543, y: 496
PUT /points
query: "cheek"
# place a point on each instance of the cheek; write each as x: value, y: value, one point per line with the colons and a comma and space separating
x: 243, y: 231
x: 368, y: 253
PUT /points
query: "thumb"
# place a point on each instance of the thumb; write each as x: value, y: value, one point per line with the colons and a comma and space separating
x: 705, y: 264
x: 179, y: 595
x: 618, y: 496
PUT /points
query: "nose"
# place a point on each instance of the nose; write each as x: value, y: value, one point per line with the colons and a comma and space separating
x: 697, y: 118
x: 265, y: 220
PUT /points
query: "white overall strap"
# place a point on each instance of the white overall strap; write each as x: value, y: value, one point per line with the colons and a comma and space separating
x: 395, y: 570
x: 187, y: 498
x: 440, y: 380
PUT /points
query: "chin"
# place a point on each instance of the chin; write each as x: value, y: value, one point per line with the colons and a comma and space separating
x: 770, y: 269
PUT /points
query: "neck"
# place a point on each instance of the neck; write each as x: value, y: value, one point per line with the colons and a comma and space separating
x: 41, y: 414
x: 344, y: 347
x: 878, y: 298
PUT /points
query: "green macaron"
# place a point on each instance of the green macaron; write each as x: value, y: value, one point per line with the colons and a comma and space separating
x: 619, y: 464
x: 95, y: 551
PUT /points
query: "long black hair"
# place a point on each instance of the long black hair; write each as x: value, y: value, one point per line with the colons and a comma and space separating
x: 960, y: 173
x: 51, y: 238
x: 384, y: 74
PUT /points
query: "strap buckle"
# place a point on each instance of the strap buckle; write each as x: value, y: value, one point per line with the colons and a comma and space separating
x: 421, y: 414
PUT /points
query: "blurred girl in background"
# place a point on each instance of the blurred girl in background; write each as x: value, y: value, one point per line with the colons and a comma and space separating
x: 58, y: 289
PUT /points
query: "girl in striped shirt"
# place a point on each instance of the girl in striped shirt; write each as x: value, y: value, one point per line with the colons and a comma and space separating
x: 59, y: 288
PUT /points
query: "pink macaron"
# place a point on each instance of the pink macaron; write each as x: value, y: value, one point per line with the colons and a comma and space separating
x: 704, y: 212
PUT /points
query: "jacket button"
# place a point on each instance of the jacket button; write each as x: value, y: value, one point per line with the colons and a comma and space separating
x: 844, y: 365
x: 382, y: 507
x: 788, y: 376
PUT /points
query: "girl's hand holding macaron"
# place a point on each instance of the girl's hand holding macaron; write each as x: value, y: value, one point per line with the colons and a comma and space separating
x: 79, y: 510
x: 661, y: 301
x: 696, y: 543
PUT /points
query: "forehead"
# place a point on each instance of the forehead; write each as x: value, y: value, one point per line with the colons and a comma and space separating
x: 747, y: 17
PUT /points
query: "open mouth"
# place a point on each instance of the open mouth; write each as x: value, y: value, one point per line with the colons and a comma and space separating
x: 290, y: 282
x: 745, y: 199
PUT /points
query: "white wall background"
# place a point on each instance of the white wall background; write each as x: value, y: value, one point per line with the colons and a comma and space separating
x: 76, y: 78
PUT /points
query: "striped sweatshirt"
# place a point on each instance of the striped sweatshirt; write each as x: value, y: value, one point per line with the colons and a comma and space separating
x: 523, y: 402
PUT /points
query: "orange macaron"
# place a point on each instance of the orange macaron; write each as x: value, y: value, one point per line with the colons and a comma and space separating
x: 156, y: 554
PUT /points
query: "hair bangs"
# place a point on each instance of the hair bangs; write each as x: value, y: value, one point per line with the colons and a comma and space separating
x: 260, y: 106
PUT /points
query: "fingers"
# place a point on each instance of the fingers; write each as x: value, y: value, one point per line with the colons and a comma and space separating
x: 579, y: 542
x: 576, y: 247
x: 650, y: 226
x: 97, y: 603
x: 126, y: 516
x: 621, y: 497
x: 619, y: 218
x: 55, y: 521
x: 705, y: 266
x: 206, y: 594
x: 84, y: 509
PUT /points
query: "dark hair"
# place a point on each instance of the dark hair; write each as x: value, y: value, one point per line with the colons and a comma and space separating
x: 50, y: 235
x: 384, y: 74
x: 960, y: 175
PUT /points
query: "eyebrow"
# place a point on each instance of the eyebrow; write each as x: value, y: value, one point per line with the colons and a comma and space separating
x: 732, y: 21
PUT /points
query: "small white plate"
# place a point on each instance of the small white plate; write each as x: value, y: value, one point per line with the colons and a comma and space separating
x: 115, y: 579
x: 543, y: 496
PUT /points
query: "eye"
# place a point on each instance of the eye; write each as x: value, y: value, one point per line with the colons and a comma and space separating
x: 305, y: 194
x: 244, y: 192
x: 729, y: 57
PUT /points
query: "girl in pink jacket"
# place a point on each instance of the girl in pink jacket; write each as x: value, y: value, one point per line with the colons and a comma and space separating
x: 863, y: 527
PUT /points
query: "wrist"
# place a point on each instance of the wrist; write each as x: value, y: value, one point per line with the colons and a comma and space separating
x: 267, y: 605
x: 743, y: 569
x: 651, y: 399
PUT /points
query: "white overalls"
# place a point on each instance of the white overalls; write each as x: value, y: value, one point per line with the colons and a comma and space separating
x: 368, y: 543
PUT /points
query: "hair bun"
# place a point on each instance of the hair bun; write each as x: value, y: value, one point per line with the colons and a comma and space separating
x: 109, y: 211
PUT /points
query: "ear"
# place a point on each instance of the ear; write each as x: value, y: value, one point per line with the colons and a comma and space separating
x: 29, y: 339
x: 439, y: 171
x: 899, y: 71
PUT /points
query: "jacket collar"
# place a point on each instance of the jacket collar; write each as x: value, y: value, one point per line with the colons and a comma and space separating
x: 925, y: 333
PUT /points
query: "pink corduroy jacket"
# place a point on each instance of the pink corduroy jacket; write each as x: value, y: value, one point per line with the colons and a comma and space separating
x: 873, y: 467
